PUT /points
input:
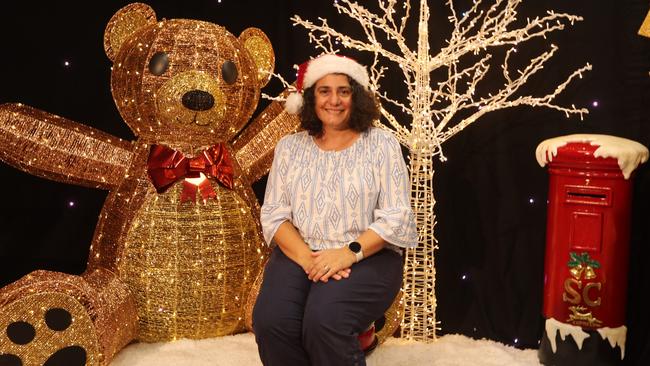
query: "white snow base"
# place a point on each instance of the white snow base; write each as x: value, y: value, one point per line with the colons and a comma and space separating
x: 241, y: 350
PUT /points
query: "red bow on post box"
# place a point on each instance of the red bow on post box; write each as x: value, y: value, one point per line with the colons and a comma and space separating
x: 166, y: 166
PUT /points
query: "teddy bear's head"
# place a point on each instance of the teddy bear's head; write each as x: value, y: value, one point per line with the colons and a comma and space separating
x: 181, y: 81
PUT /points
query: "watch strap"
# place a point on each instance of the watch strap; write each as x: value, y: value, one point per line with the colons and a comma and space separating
x: 359, y: 256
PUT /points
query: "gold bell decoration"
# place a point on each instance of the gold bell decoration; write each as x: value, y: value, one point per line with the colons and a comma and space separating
x: 589, y: 273
x: 582, y: 266
x: 576, y: 271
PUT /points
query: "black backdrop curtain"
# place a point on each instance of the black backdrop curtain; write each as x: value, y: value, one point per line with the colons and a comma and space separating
x: 491, y: 194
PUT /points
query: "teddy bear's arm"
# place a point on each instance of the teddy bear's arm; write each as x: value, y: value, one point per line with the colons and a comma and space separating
x: 53, y: 147
x: 254, y: 146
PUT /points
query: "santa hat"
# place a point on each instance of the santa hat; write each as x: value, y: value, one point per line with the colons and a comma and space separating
x: 311, y: 71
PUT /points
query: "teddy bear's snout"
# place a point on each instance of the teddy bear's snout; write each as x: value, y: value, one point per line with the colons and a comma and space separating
x: 198, y: 100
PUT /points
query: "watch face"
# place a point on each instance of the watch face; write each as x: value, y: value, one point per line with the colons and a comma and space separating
x: 355, y: 247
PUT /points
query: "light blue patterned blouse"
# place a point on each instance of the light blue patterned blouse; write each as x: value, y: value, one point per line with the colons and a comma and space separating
x: 332, y: 197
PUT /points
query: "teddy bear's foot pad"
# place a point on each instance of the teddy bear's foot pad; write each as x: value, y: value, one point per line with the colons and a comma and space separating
x: 48, y: 329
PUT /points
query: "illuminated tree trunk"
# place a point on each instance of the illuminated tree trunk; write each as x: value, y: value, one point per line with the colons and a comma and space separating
x: 419, y: 271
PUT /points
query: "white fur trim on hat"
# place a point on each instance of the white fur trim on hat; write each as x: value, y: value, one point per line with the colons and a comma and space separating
x: 333, y: 64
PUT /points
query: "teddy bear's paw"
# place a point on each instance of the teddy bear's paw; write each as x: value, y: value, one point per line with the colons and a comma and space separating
x: 47, y: 329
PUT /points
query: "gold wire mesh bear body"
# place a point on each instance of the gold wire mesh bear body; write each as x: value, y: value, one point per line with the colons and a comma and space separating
x: 161, y: 266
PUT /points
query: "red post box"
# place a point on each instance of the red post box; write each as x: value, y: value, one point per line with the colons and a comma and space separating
x: 587, y: 247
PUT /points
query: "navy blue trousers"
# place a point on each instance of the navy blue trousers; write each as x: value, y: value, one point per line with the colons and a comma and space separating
x: 299, y: 323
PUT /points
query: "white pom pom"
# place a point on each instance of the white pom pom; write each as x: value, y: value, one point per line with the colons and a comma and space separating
x: 293, y: 104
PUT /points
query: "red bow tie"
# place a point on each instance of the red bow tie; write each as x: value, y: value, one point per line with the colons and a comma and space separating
x: 166, y: 166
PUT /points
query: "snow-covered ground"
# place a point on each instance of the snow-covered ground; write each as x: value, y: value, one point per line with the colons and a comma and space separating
x: 241, y: 350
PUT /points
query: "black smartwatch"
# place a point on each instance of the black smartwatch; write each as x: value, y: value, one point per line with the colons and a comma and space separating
x: 355, y: 247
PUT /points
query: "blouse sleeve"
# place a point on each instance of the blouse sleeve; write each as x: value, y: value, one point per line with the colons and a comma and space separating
x: 393, y: 217
x: 277, y: 204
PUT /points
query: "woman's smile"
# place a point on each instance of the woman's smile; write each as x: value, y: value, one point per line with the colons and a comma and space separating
x: 333, y: 101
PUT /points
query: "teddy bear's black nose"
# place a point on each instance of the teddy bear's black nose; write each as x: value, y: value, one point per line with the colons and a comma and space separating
x: 198, y: 100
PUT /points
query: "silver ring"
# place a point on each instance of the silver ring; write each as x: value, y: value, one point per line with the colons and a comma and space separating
x: 326, y: 268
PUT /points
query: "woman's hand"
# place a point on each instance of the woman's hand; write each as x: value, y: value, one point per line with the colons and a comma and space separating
x: 334, y: 263
x: 344, y: 273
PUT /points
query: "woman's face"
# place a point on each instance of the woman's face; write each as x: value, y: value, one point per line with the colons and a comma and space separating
x: 333, y: 101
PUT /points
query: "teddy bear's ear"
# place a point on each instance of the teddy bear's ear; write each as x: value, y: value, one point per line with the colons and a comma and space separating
x: 260, y: 49
x: 124, y: 23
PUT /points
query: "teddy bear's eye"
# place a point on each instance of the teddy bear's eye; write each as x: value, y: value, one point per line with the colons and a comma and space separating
x: 229, y: 72
x: 158, y: 63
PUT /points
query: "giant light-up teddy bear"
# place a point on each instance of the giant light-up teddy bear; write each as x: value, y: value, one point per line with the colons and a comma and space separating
x: 178, y: 242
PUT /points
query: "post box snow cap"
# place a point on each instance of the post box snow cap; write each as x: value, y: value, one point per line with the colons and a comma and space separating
x: 628, y: 153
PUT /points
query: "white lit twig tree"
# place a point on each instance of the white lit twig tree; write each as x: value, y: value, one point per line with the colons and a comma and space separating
x: 439, y: 109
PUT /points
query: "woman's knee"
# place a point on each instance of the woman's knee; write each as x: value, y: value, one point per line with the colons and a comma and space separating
x: 269, y: 320
x: 317, y: 324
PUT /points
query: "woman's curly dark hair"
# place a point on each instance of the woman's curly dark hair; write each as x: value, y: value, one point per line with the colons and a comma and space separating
x: 365, y: 109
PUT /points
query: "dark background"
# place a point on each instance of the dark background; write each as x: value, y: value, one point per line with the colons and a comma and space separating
x: 491, y: 193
